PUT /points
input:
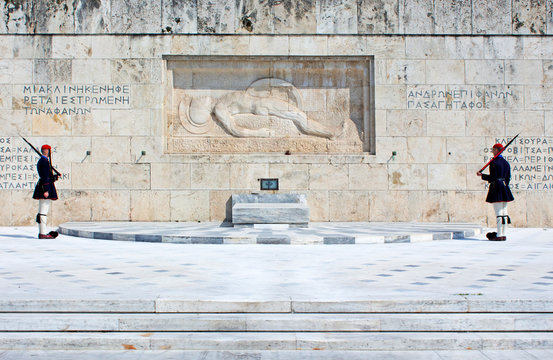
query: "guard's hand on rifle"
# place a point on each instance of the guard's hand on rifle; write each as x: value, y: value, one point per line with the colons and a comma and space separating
x: 478, y: 173
x: 56, y: 177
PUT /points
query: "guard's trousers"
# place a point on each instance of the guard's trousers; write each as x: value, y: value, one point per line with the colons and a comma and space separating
x: 43, y: 207
x: 501, y: 217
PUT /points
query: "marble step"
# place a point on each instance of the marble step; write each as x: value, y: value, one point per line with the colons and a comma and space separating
x: 243, y: 341
x: 453, y: 304
x: 274, y: 354
x: 275, y: 322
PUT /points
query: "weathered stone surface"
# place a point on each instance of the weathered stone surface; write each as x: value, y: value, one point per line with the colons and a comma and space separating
x: 71, y: 206
x: 170, y: 176
x: 368, y: 177
x: 426, y: 47
x: 130, y: 17
x: 337, y: 17
x: 91, y: 71
x: 446, y: 177
x: 90, y: 176
x: 190, y: 205
x: 269, y: 45
x: 453, y: 17
x: 485, y: 71
x: 15, y: 18
x: 548, y: 123
x: 390, y: 97
x: 124, y: 71
x: 529, y: 16
x: 130, y: 176
x: 529, y: 123
x: 305, y: 45
x: 385, y: 47
x: 538, y: 97
x: 113, y: 47
x: 295, y: 17
x: 423, y: 149
x: 407, y: 177
x: 25, y: 211
x: 210, y: 176
x: 464, y: 47
x: 220, y: 205
x: 179, y: 17
x: 318, y: 202
x: 428, y: 206
x: 71, y: 47
x: 130, y: 122
x: 405, y: 72
x: 48, y: 71
x: 246, y: 176
x: 150, y: 206
x: 229, y: 45
x: 491, y: 17
x: 114, y: 205
x: 53, y: 17
x: 388, y: 205
x: 467, y: 150
x: 450, y: 123
x: 92, y: 17
x: 291, y: 176
x: 386, y: 146
x: 468, y: 206
x: 346, y: 45
x: 328, y: 176
x: 503, y: 47
x: 405, y: 123
x: 216, y: 17
x: 346, y: 205
x: 524, y: 72
x: 93, y: 124
x: 445, y: 71
x: 255, y: 17
x: 416, y: 17
x: 113, y: 149
x: 378, y: 17
x: 51, y: 125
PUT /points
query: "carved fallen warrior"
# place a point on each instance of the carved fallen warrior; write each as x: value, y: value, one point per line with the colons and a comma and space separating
x: 197, y: 113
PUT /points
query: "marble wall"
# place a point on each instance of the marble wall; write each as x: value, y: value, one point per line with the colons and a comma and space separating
x: 90, y: 78
x: 400, y: 17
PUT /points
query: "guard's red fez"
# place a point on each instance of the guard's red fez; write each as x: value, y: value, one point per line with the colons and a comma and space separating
x: 46, y: 146
x: 498, y: 146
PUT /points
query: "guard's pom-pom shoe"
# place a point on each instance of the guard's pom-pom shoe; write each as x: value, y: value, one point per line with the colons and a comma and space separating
x: 491, y: 235
x: 499, y: 238
x: 53, y: 234
x: 45, y: 236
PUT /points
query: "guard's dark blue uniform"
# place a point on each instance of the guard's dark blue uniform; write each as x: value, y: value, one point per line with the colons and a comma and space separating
x: 499, y: 178
x: 45, y: 181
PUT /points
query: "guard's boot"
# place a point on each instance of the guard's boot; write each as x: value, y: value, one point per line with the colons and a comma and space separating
x: 45, y: 236
x: 53, y: 234
x: 491, y: 235
x: 499, y: 238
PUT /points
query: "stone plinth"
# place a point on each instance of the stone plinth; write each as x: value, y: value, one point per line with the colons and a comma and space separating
x: 250, y: 209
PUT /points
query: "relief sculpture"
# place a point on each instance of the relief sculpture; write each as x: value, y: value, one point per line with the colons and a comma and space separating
x: 289, y: 105
x: 260, y: 99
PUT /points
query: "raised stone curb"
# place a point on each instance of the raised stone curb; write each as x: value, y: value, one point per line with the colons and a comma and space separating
x: 316, y: 233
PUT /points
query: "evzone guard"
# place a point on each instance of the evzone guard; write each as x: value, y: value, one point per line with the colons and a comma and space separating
x: 45, y: 190
x: 499, y: 193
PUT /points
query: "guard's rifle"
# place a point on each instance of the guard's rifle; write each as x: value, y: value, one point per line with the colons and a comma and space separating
x: 57, y: 173
x: 499, y: 153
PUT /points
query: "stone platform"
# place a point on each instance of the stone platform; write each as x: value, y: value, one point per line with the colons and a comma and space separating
x: 317, y: 233
x: 82, y: 298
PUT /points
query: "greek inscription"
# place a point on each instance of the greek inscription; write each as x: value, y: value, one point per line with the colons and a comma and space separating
x: 48, y: 99
x: 18, y: 165
x: 466, y: 98
x: 531, y: 162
